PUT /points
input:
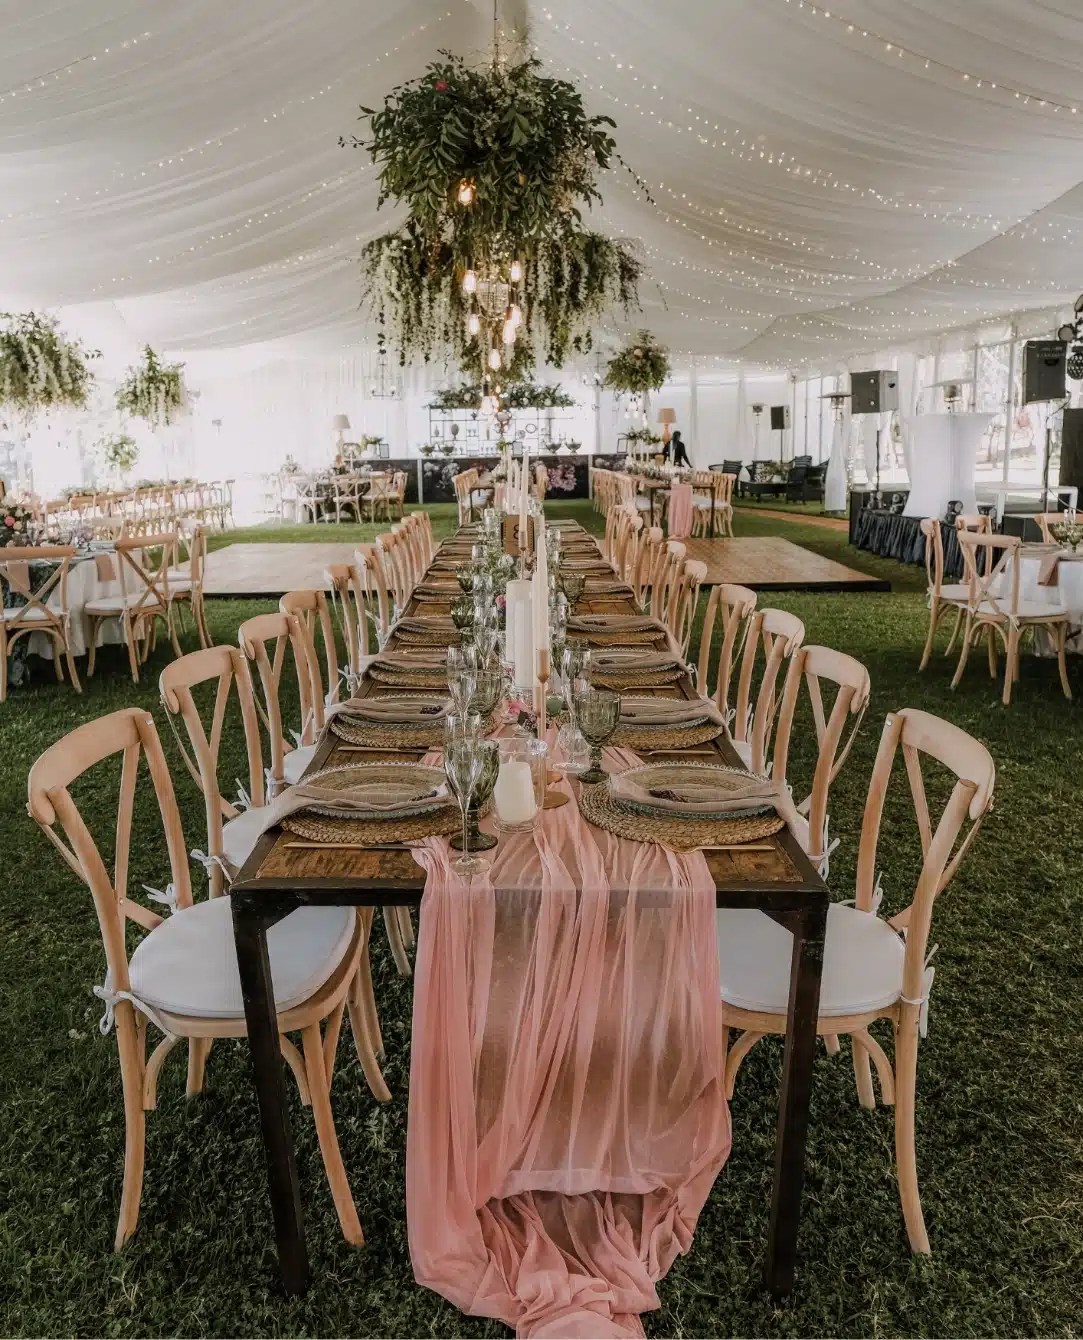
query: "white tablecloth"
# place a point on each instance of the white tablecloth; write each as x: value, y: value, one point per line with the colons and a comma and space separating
x: 84, y: 584
x: 1067, y: 593
x: 943, y: 449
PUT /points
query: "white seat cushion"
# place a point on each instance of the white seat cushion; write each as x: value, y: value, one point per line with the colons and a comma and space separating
x: 114, y: 604
x: 240, y: 835
x: 863, y: 961
x: 293, y: 765
x: 188, y: 964
x: 29, y: 614
x: 955, y: 591
x: 1027, y: 609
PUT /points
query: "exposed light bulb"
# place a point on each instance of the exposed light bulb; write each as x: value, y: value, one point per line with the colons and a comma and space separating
x: 473, y: 323
x: 470, y: 282
x: 489, y: 404
x: 494, y: 359
x: 516, y: 271
x: 466, y: 193
x: 509, y: 332
x: 516, y: 315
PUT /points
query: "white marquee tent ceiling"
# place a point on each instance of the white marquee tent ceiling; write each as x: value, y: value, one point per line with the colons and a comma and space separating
x: 825, y: 182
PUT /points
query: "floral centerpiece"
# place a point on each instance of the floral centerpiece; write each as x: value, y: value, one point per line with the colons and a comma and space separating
x: 40, y: 367
x: 153, y: 390
x: 641, y: 366
x: 18, y: 522
x: 496, y: 167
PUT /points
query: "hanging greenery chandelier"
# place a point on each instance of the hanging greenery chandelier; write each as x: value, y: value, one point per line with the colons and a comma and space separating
x: 496, y: 167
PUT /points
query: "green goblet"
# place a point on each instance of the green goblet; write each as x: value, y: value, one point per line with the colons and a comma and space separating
x: 597, y: 713
x: 476, y: 840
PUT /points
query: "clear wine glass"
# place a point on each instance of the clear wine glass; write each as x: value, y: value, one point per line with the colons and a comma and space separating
x: 598, y: 714
x: 464, y: 762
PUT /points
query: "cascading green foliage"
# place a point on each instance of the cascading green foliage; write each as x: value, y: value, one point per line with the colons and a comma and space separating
x: 642, y: 365
x: 532, y: 154
x: 40, y: 367
x: 119, y: 451
x: 520, y: 395
x: 153, y: 390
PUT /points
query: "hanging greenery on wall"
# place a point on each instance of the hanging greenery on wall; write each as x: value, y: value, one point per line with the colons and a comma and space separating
x: 153, y: 390
x: 117, y: 451
x: 641, y: 366
x: 40, y: 367
x: 496, y: 167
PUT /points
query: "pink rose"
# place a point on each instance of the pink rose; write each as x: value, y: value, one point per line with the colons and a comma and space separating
x: 9, y: 521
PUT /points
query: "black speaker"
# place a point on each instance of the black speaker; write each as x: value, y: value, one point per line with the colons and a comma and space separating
x: 1043, y: 370
x: 874, y: 392
x: 1071, y: 449
x: 780, y: 418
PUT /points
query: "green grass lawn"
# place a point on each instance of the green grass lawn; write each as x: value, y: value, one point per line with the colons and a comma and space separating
x: 1000, y: 1096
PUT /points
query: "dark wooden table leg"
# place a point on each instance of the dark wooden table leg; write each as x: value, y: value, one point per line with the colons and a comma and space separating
x: 250, y: 933
x: 808, y: 929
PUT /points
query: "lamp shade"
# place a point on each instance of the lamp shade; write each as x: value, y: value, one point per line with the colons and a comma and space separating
x: 340, y: 422
x: 667, y: 416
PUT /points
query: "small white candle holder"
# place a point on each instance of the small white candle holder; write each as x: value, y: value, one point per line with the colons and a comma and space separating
x: 519, y: 793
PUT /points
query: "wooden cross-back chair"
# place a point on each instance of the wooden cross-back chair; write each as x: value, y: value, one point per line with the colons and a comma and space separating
x: 229, y: 670
x: 254, y: 636
x: 143, y: 599
x: 310, y: 614
x: 464, y: 483
x: 348, y: 594
x: 1047, y: 519
x: 681, y: 615
x: 628, y: 544
x: 869, y: 971
x: 37, y: 615
x: 778, y: 635
x: 369, y: 560
x: 943, y: 597
x: 814, y: 667
x: 711, y: 503
x: 601, y: 489
x: 731, y: 607
x: 186, y: 584
x: 651, y: 545
x: 182, y: 976
x: 993, y: 562
x: 396, y: 568
x: 665, y: 578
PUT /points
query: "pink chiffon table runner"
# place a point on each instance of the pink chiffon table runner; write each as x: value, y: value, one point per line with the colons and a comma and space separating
x: 567, y: 1112
x: 680, y: 511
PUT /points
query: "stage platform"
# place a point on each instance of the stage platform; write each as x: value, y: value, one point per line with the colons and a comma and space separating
x: 768, y: 563
x: 242, y: 570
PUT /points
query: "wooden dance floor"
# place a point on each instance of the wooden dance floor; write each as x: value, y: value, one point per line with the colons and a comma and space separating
x: 764, y: 563
x: 272, y: 569
x: 768, y: 563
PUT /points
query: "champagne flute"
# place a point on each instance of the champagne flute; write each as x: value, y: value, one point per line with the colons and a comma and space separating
x: 598, y: 714
x: 464, y: 762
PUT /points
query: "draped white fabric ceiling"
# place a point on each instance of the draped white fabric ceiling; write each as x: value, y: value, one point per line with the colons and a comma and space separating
x: 825, y: 182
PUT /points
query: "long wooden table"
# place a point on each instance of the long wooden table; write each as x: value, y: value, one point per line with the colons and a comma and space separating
x: 776, y: 877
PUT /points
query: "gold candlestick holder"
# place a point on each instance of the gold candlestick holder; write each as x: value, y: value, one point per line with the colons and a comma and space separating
x: 553, y: 799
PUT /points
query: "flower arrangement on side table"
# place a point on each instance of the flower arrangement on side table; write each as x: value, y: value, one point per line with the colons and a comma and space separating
x: 18, y: 523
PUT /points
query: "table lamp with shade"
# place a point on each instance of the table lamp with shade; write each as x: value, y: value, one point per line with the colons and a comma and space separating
x: 667, y: 418
x: 340, y: 423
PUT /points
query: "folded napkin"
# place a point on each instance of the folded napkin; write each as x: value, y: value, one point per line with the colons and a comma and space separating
x: 409, y: 661
x: 626, y: 660
x: 716, y: 793
x: 614, y: 623
x: 378, y: 798
x: 1049, y: 571
x: 397, y: 709
x: 667, y: 711
x: 427, y: 623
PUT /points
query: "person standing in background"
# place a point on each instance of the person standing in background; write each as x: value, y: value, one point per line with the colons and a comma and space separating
x: 680, y: 452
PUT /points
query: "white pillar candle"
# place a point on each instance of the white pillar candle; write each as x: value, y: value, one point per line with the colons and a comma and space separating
x: 541, y: 592
x: 519, y: 621
x: 513, y: 794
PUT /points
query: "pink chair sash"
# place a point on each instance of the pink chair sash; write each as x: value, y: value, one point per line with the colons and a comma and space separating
x: 680, y: 511
x: 567, y: 1112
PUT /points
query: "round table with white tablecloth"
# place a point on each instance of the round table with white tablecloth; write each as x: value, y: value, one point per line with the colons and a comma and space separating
x: 1063, y: 588
x: 90, y: 577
